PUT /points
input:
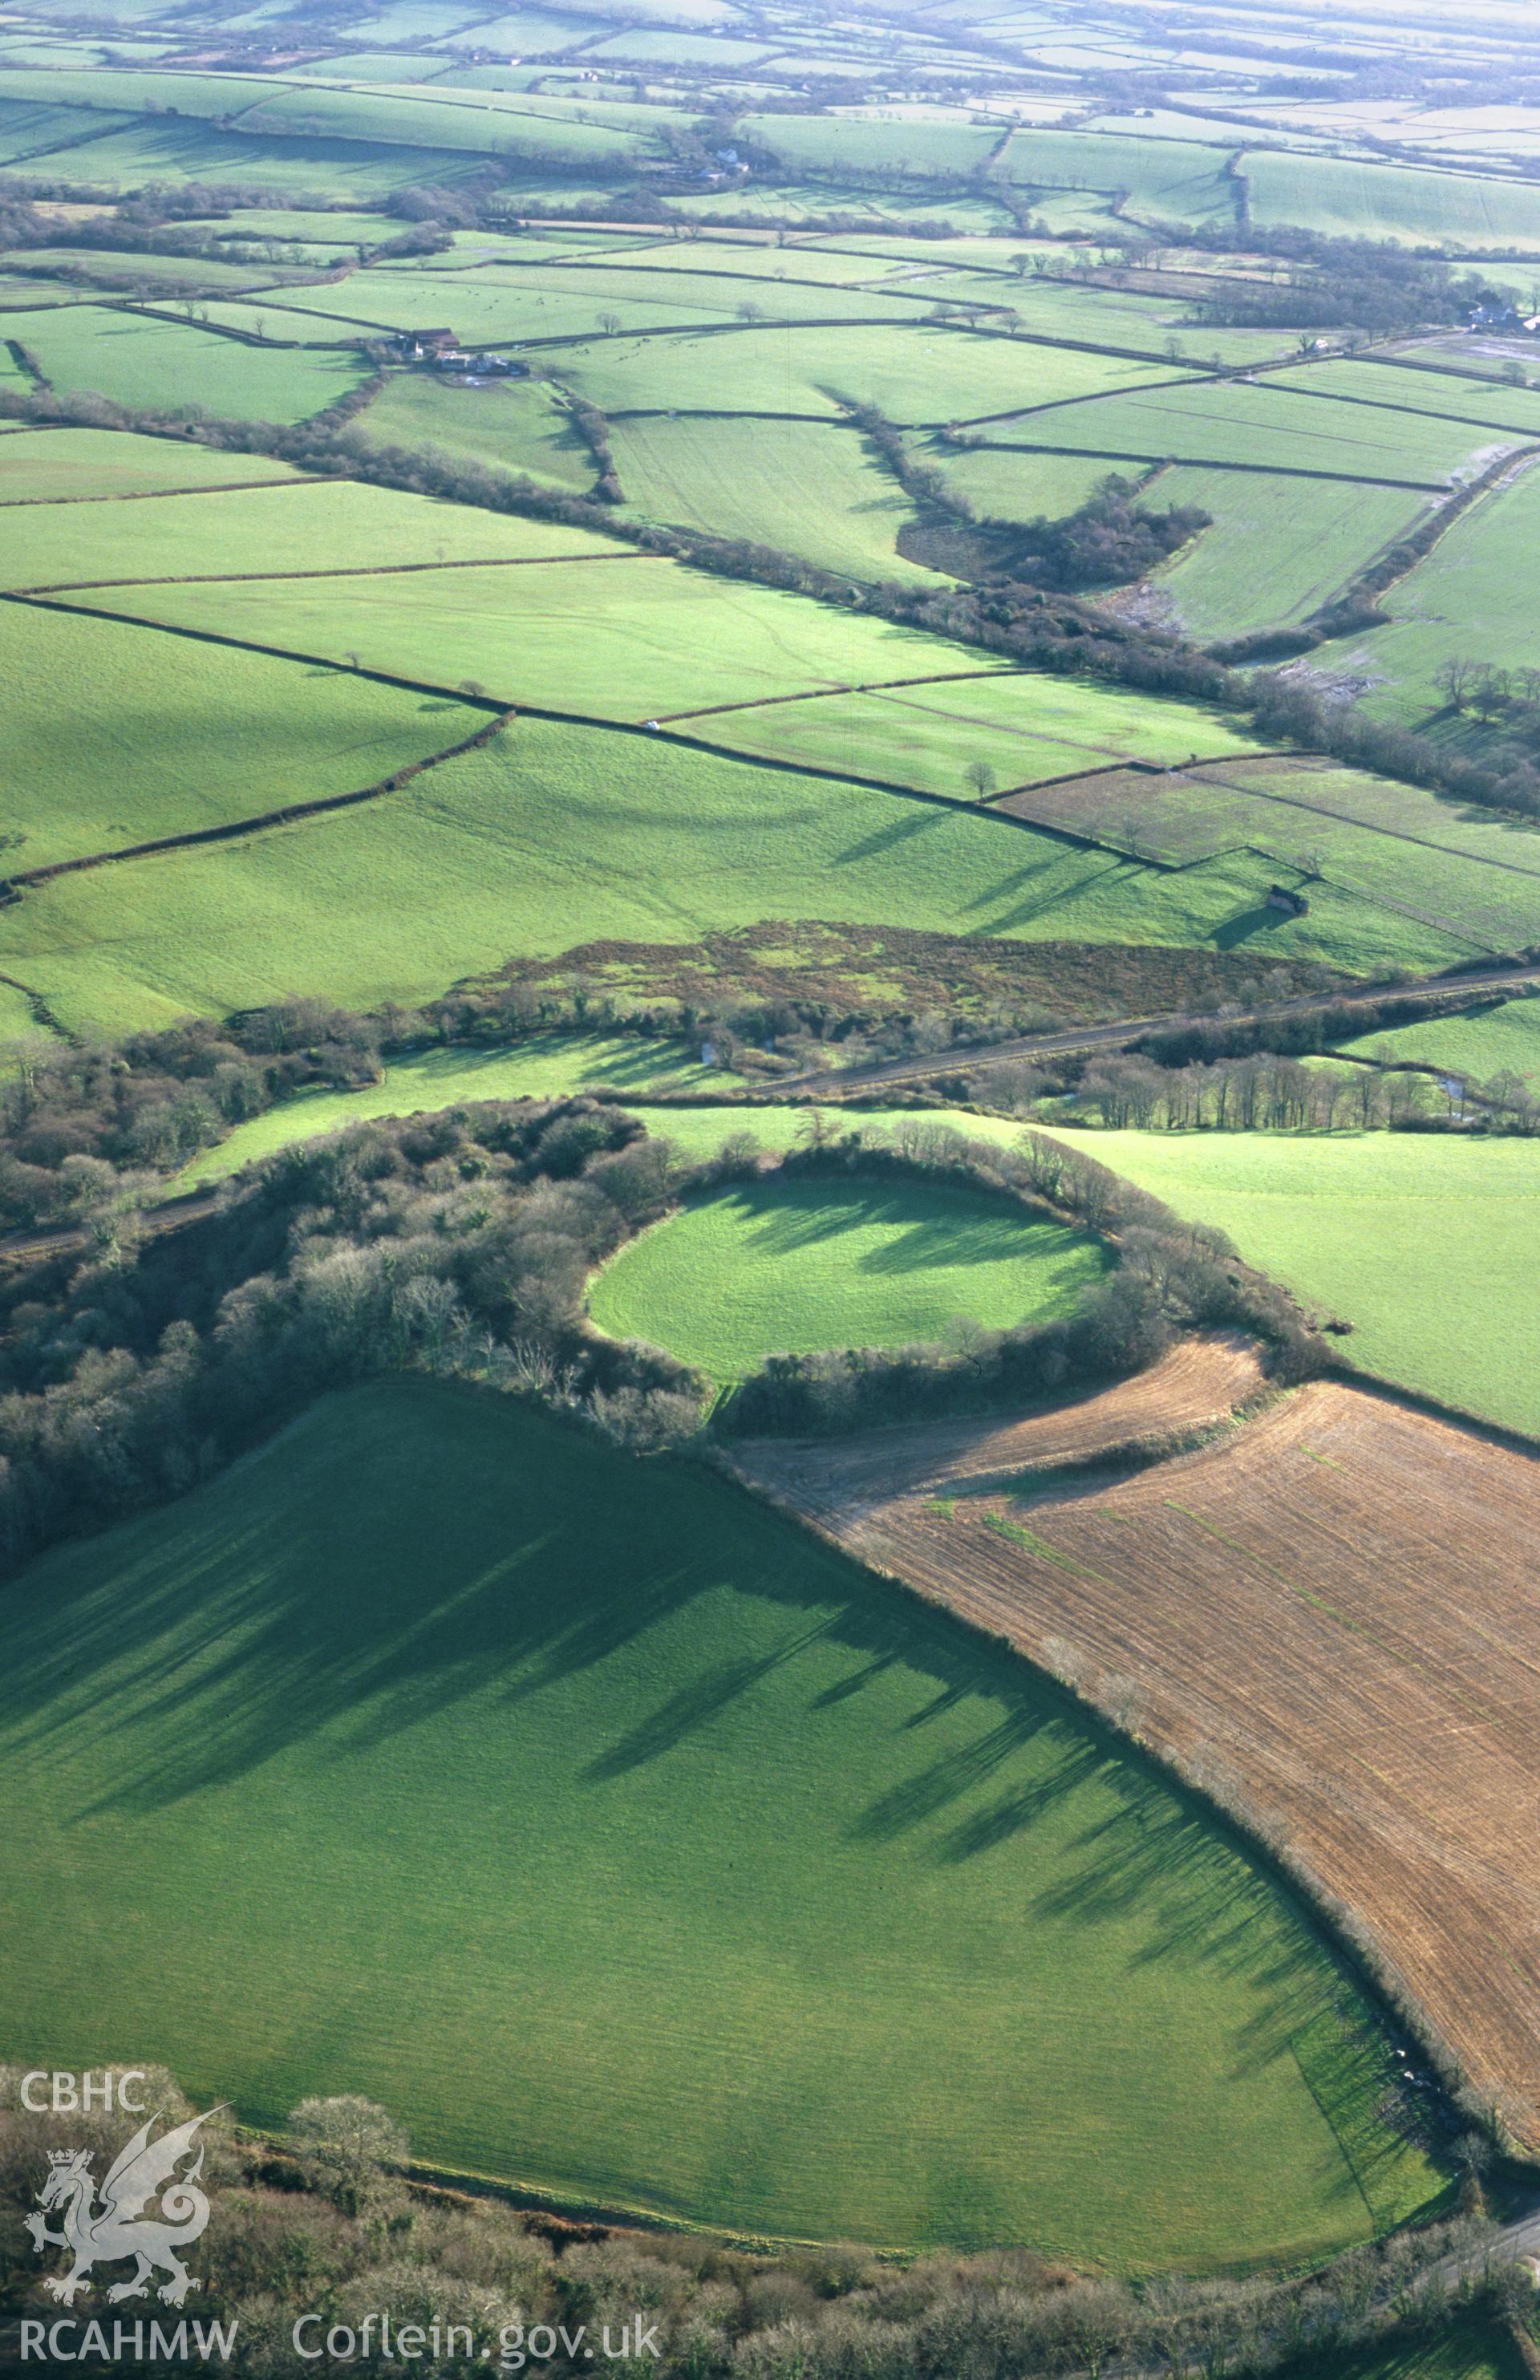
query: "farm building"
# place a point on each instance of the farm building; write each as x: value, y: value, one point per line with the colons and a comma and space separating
x: 1290, y: 903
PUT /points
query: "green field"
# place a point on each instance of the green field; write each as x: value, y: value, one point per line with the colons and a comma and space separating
x: 546, y: 1066
x: 1166, y: 181
x: 1315, y: 534
x: 1472, y: 875
x: 1503, y: 1039
x: 1232, y: 421
x: 680, y: 1834
x: 1003, y: 485
x: 488, y: 307
x: 515, y: 426
x: 795, y: 485
x: 1470, y: 2349
x: 39, y: 464
x: 557, y: 837
x: 835, y: 145
x: 1026, y: 725
x: 910, y: 373
x: 178, y: 151
x: 1429, y: 1246
x: 142, y: 361
x: 1472, y: 596
x: 1349, y: 199
x: 334, y: 524
x: 1365, y: 381
x: 116, y: 736
x: 775, y: 1267
x: 633, y: 638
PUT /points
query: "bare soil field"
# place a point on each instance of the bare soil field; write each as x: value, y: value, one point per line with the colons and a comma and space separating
x: 1331, y: 1618
x: 1200, y: 1381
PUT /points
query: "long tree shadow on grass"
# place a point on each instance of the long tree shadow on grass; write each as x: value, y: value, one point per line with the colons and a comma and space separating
x: 330, y: 1585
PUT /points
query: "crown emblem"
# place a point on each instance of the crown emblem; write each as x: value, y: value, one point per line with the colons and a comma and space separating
x: 64, y: 2156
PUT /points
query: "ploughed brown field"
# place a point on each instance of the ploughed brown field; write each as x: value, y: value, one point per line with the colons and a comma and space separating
x: 1332, y: 1614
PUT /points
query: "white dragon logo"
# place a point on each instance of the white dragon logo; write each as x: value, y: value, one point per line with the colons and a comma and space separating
x: 119, y: 2226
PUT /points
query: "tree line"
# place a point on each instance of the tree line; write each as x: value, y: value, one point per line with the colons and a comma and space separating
x: 1170, y: 1277
x: 327, y: 2217
x: 458, y: 1242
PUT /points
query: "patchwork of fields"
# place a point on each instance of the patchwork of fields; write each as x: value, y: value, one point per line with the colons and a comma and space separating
x: 651, y: 540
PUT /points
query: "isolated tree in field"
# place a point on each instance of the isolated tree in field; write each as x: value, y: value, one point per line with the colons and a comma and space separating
x: 749, y: 312
x: 1514, y: 372
x: 473, y: 687
x: 982, y: 778
x: 608, y: 323
x: 816, y: 1129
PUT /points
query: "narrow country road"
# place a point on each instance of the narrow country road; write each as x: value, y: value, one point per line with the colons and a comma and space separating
x: 967, y: 1059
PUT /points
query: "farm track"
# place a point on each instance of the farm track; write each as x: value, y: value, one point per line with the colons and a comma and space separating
x: 1328, y: 1619
x: 1200, y: 1381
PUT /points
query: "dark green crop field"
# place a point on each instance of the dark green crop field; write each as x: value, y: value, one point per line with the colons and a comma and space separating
x: 636, y: 1847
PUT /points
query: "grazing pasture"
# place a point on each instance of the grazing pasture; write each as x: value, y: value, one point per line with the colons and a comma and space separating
x: 1472, y: 596
x: 545, y: 1066
x: 1315, y: 534
x: 797, y: 486
x: 1367, y: 381
x: 1023, y: 725
x: 42, y: 466
x: 1475, y: 878
x: 248, y: 533
x: 1003, y: 484
x: 546, y: 1743
x: 1349, y: 198
x: 834, y: 145
x: 634, y: 637
x: 117, y: 736
x: 484, y: 305
x: 1430, y: 1247
x: 788, y: 1268
x: 557, y: 837
x: 518, y: 426
x: 1500, y: 1040
x: 176, y: 151
x: 1238, y: 422
x: 914, y: 374
x: 1330, y: 1614
x: 150, y: 360
x: 1164, y: 181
